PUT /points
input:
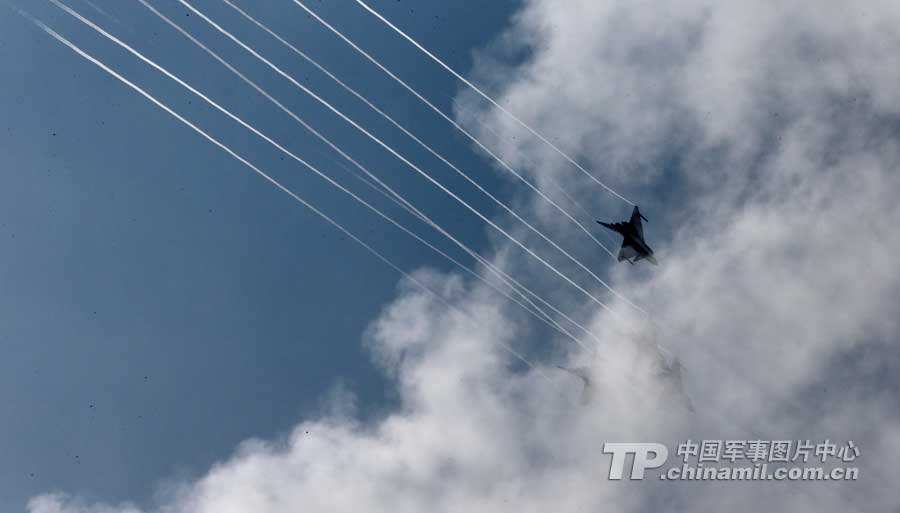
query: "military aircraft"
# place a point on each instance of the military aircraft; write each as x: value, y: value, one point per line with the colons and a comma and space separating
x: 633, y: 246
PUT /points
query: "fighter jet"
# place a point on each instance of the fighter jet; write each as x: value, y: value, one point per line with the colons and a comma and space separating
x: 633, y: 246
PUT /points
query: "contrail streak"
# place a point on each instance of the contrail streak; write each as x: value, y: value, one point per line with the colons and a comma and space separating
x: 403, y: 129
x: 272, y: 99
x: 556, y: 186
x: 450, y: 120
x: 366, y: 101
x: 492, y: 101
x: 424, y: 174
x: 97, y: 8
x: 261, y: 173
x: 397, y: 196
x: 375, y: 187
x: 375, y: 108
x: 202, y: 96
x: 544, y: 317
x: 509, y: 280
x: 506, y: 278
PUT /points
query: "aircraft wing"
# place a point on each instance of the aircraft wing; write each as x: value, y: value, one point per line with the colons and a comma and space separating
x: 616, y: 227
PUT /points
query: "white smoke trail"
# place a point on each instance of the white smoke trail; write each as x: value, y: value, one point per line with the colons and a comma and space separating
x: 97, y: 8
x: 543, y: 315
x: 403, y: 129
x: 492, y: 101
x: 398, y: 197
x: 272, y: 99
x: 446, y: 117
x: 421, y: 98
x: 263, y: 174
x: 511, y: 282
x: 577, y: 204
x: 428, y: 177
x: 406, y: 206
x: 450, y: 120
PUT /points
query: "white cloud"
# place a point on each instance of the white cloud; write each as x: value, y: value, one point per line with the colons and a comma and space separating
x: 765, y: 132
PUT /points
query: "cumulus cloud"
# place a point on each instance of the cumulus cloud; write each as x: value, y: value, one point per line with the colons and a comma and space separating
x: 764, y: 135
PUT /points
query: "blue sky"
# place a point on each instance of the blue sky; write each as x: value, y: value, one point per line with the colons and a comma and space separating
x: 161, y: 302
x: 179, y: 336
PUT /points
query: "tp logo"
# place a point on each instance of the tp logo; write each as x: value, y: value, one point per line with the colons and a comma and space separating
x: 642, y: 459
